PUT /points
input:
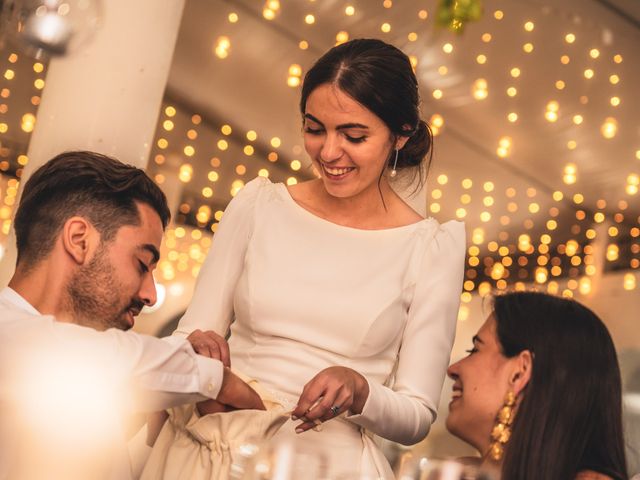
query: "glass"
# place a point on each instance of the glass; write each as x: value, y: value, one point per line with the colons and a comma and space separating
x: 439, y: 469
x: 283, y: 461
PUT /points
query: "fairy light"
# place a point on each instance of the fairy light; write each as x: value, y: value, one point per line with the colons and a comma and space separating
x: 504, y: 147
x: 629, y: 282
x: 570, y: 174
x: 436, y: 122
x: 609, y: 128
x: 633, y: 183
x: 480, y: 89
x: 295, y: 75
x: 552, y: 111
x: 222, y: 47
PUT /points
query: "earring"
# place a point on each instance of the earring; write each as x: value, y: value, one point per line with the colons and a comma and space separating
x: 501, y: 431
x: 395, y: 163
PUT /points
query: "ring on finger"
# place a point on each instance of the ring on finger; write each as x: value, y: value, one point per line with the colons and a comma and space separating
x: 335, y: 409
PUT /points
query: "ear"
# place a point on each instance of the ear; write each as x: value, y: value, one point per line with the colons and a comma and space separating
x: 79, y: 239
x: 400, y: 142
x: 521, y: 373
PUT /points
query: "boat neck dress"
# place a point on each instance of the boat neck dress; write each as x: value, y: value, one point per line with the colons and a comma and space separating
x: 299, y: 293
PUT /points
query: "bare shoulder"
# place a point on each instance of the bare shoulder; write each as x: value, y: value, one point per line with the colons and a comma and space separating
x: 592, y: 475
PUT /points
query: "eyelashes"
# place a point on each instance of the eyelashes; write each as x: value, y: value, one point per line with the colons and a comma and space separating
x: 319, y: 131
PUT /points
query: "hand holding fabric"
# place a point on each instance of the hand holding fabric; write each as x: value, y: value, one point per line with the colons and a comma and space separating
x: 330, y: 393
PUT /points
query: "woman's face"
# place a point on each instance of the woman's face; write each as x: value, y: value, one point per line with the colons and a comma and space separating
x: 481, y: 380
x: 348, y: 144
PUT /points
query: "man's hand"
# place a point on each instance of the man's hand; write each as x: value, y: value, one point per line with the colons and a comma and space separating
x: 238, y: 394
x: 210, y: 344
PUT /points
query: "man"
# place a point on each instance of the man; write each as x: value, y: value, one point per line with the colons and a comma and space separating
x: 88, y: 231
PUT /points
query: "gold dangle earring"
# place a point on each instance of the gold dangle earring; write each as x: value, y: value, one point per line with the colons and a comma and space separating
x: 395, y: 163
x: 501, y: 431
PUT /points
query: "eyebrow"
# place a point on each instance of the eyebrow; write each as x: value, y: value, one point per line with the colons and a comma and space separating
x: 339, y: 127
x: 152, y: 250
x: 476, y: 339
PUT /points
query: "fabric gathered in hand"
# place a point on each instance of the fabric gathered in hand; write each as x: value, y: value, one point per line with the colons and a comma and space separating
x: 195, y: 447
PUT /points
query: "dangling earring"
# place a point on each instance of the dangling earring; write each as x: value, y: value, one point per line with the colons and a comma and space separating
x: 395, y: 163
x: 501, y: 431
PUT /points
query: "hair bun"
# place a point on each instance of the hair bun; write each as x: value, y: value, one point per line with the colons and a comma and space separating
x: 417, y: 147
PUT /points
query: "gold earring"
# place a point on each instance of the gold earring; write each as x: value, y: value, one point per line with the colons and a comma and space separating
x: 501, y: 431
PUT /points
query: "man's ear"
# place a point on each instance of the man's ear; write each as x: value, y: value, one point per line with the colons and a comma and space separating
x: 78, y: 239
x: 522, y: 370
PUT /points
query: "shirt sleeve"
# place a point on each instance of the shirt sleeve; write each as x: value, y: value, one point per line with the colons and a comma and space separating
x: 149, y: 373
x: 211, y: 306
x: 167, y: 372
x: 404, y: 413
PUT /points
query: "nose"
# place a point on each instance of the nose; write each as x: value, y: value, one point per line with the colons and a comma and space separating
x: 147, y: 291
x: 331, y: 148
x: 452, y: 371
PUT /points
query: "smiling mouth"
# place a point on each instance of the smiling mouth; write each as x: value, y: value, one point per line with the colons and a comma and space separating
x: 336, y: 173
x: 456, y: 393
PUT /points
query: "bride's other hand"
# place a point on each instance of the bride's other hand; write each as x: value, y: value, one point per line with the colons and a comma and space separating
x: 210, y: 344
x: 330, y: 393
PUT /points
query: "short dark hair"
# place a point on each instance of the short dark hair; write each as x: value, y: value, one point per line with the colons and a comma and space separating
x: 570, y: 418
x: 379, y: 76
x: 100, y: 188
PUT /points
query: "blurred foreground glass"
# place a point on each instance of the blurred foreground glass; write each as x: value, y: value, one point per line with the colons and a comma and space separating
x: 415, y: 468
x: 49, y: 27
x: 279, y: 461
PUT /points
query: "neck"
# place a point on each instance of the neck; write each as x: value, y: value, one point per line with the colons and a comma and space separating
x: 368, y: 204
x: 44, y: 288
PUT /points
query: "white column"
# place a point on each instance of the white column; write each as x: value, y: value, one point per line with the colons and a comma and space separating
x: 106, y: 97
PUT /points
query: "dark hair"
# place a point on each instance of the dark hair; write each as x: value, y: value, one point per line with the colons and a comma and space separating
x: 88, y: 184
x: 570, y: 418
x: 379, y: 76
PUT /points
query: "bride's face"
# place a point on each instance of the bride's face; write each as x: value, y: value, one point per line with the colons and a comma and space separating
x: 481, y: 380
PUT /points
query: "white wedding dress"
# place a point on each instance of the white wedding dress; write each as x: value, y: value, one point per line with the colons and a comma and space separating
x: 301, y: 294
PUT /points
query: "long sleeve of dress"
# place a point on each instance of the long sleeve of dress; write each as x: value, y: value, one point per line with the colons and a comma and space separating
x: 211, y: 307
x: 405, y: 412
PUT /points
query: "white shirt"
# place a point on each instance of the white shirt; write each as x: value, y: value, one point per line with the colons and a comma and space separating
x: 62, y: 380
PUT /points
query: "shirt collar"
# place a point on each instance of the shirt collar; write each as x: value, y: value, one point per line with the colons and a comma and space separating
x: 14, y: 298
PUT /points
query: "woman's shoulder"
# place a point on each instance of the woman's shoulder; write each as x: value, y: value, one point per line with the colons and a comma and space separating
x: 592, y: 475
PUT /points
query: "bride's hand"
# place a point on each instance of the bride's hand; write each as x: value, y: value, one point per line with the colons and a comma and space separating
x: 330, y: 393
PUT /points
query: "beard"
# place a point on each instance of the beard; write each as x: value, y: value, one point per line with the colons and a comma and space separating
x: 94, y: 299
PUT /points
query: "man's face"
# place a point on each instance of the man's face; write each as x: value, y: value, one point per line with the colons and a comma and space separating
x: 110, y: 290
